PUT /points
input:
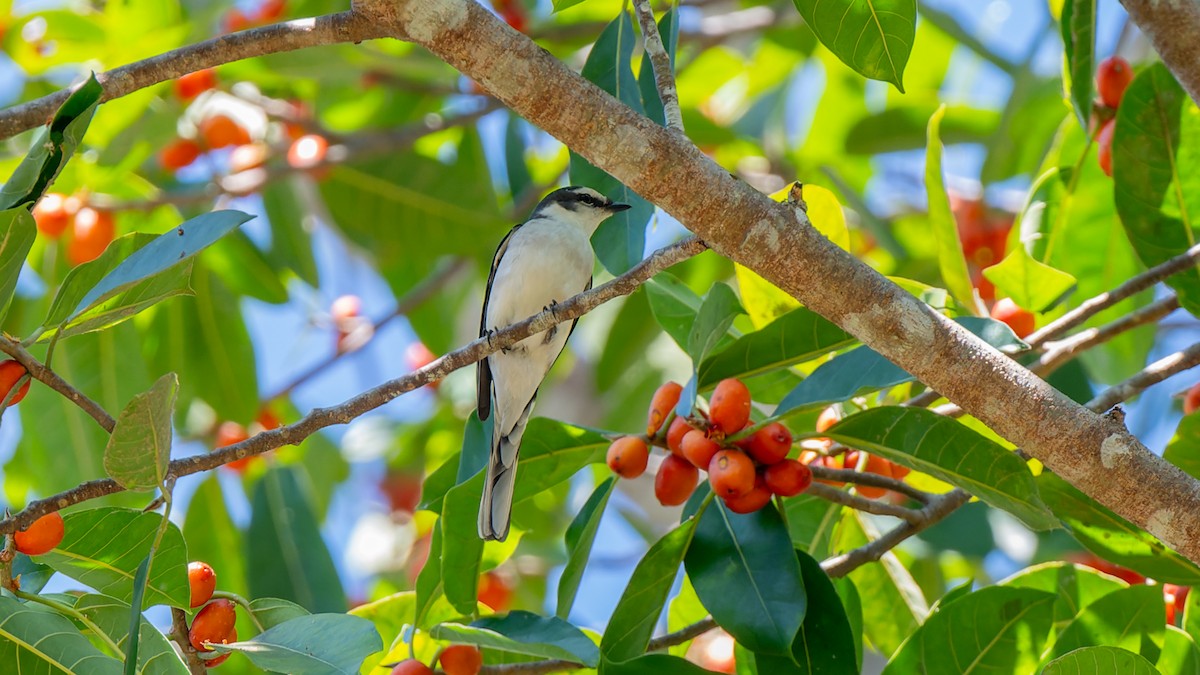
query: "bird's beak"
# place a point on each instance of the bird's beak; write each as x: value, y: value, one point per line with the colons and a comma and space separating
x: 617, y: 207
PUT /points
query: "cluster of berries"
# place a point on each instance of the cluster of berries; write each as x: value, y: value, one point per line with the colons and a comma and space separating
x: 1113, y: 76
x: 214, y: 623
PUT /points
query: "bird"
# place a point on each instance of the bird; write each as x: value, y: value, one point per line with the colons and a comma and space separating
x: 544, y: 260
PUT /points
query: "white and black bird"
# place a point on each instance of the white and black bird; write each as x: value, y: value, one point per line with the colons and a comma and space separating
x: 541, y: 262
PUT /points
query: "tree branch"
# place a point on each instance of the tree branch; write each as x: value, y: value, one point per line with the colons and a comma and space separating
x: 1152, y: 374
x: 660, y: 62
x: 38, y: 371
x: 281, y: 37
x: 370, y: 399
x: 1172, y: 27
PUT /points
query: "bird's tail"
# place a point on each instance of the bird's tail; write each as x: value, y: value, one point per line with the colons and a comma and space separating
x: 495, y: 508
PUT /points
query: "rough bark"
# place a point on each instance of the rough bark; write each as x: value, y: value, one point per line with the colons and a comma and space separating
x: 1095, y: 454
x: 1173, y: 27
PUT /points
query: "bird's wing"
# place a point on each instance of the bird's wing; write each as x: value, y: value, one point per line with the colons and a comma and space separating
x: 483, y: 371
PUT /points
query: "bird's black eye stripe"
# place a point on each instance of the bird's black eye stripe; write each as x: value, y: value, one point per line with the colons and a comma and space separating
x: 589, y: 200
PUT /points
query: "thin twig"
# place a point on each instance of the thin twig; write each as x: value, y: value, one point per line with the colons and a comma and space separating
x: 375, y: 397
x: 870, y: 480
x: 179, y: 634
x: 38, y: 371
x: 1058, y: 353
x: 661, y: 63
x: 1152, y: 374
x: 879, y: 508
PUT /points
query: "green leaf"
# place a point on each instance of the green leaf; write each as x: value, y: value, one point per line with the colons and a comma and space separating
x: 654, y: 664
x: 103, y: 547
x: 1112, y: 537
x: 862, y: 370
x: 764, y: 301
x: 896, y: 606
x: 291, y: 240
x: 825, y: 643
x: 581, y: 534
x: 551, y: 452
x: 994, y: 629
x: 462, y: 549
x: 52, y: 147
x: 271, y: 612
x: 854, y: 614
x: 1129, y: 618
x: 429, y: 580
x: 811, y: 521
x: 135, y: 615
x: 752, y: 553
x: 951, y: 262
x: 17, y: 232
x: 521, y: 632
x: 874, y: 37
x: 246, y: 269
x: 684, y: 610
x: 316, y: 644
x: 212, y: 537
x: 519, y: 179
x: 36, y: 640
x: 560, y: 5
x: 1078, y: 25
x: 1156, y: 175
x: 632, y: 622
x: 668, y: 31
x: 476, y: 446
x: 154, y: 653
x: 1031, y: 284
x: 904, y: 125
x: 164, y: 252
x: 674, y: 306
x: 1183, y: 450
x: 620, y: 241
x: 798, y: 336
x: 950, y: 451
x: 1100, y: 661
x: 713, y: 319
x: 285, y: 554
x: 1180, y: 655
x: 1077, y: 586
x: 139, y: 450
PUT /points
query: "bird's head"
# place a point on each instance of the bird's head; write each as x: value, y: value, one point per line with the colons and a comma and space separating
x: 580, y: 206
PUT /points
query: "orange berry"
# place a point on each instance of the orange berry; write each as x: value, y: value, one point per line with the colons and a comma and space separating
x: 758, y: 497
x: 214, y: 623
x: 675, y: 481
x: 267, y: 419
x: 202, y: 580
x: 1174, y: 597
x: 41, y: 536
x: 899, y: 472
x: 189, y: 86
x: 828, y: 417
x: 675, y: 433
x: 307, y: 151
x: 698, y: 448
x: 1019, y: 319
x: 461, y: 660
x: 1113, y: 76
x: 731, y: 473
x: 1104, y: 146
x: 93, y: 232
x: 872, y: 464
x: 664, y: 401
x: 246, y: 157
x: 788, y: 478
x: 1191, y: 400
x: 229, y: 433
x: 411, y: 667
x: 271, y: 10
x: 222, y: 131
x: 627, y: 456
x: 495, y: 592
x: 51, y: 214
x: 729, y: 408
x: 403, y: 490
x: 770, y: 444
x: 179, y: 154
x: 10, y: 372
x: 235, y: 20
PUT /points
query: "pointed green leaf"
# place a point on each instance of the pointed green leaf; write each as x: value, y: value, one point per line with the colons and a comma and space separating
x: 1156, y: 181
x: 154, y: 653
x: 318, y: 643
x: 271, y: 612
x: 655, y: 664
x: 36, y: 640
x: 17, y: 232
x: 1179, y: 656
x: 139, y: 450
x: 752, y: 553
x: 632, y: 622
x: 83, y: 278
x: 713, y: 319
x: 895, y: 606
x: 1077, y: 586
x: 462, y: 549
x: 1129, y: 618
x: 994, y: 629
x: 524, y: 633
x: 795, y: 337
x: 874, y: 37
x: 1112, y: 537
x: 810, y: 522
x: 581, y: 533
x: 1078, y: 25
x: 951, y: 261
x: 1102, y: 660
x: 674, y: 306
x: 135, y: 615
x: 285, y: 554
x: 291, y: 229
x: 429, y: 580
x: 1031, y: 284
x: 825, y: 643
x: 103, y: 548
x: 950, y: 451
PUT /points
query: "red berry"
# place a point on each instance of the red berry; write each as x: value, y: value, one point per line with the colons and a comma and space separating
x: 675, y: 433
x: 93, y: 232
x: 1104, y: 146
x: 214, y: 623
x: 403, y: 490
x: 729, y: 408
x: 42, y: 536
x: 222, y: 131
x: 675, y: 481
x: 788, y: 478
x: 731, y: 473
x: 179, y: 154
x: 495, y: 592
x: 271, y: 10
x: 1019, y: 319
x: 1113, y: 76
x: 202, y: 580
x: 461, y: 660
x: 664, y: 401
x: 411, y: 667
x: 872, y: 464
x: 699, y: 449
x: 230, y: 433
x: 758, y: 497
x: 53, y: 214
x: 628, y: 456
x: 218, y: 660
x: 10, y: 372
x: 1191, y: 400
x: 189, y: 86
x: 770, y: 444
x: 307, y: 151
